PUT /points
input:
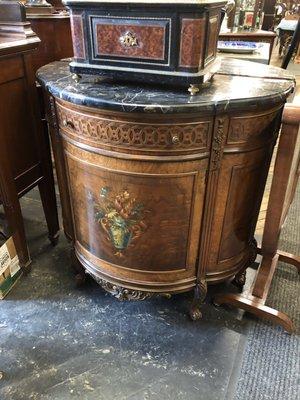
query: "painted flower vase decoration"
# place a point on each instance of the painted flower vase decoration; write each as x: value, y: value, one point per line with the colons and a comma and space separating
x: 121, y: 217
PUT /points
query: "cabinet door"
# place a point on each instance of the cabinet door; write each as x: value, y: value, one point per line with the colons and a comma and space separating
x: 243, y: 171
x: 137, y: 221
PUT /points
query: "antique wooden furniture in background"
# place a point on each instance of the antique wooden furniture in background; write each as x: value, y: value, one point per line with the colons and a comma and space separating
x: 257, y: 36
x: 163, y: 188
x: 286, y: 29
x: 54, y: 32
x: 161, y: 41
x: 285, y: 178
x: 25, y: 155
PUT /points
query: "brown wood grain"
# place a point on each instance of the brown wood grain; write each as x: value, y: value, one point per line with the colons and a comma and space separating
x: 150, y: 40
x: 192, y: 42
x: 212, y: 36
x: 78, y: 35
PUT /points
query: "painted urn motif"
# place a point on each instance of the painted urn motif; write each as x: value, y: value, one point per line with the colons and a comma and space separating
x: 121, y: 217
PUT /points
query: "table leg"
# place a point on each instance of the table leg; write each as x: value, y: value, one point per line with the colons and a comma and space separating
x: 48, y: 198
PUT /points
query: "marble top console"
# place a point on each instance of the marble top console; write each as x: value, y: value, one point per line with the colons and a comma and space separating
x: 161, y: 189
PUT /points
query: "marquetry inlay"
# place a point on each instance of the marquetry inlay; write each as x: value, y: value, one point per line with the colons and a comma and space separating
x: 194, y: 135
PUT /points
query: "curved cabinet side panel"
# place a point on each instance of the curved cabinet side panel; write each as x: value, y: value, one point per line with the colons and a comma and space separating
x: 242, y: 176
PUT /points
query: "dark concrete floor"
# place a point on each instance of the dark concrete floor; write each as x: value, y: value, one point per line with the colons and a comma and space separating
x: 61, y: 342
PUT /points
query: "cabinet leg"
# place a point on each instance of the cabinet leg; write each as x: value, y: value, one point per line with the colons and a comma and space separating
x: 240, y: 278
x: 199, y: 296
x: 48, y: 198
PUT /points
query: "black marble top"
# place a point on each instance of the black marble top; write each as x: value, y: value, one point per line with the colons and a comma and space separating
x: 236, y: 84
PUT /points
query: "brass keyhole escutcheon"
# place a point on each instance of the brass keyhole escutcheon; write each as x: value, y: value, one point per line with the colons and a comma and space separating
x: 129, y: 40
x: 175, y: 139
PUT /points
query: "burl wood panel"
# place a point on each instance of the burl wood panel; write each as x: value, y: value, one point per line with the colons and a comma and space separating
x: 235, y: 235
x: 213, y: 29
x: 78, y: 35
x: 125, y: 210
x: 150, y: 39
x: 127, y: 215
x: 191, y: 42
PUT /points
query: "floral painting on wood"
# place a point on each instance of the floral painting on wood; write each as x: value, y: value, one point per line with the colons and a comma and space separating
x: 121, y: 217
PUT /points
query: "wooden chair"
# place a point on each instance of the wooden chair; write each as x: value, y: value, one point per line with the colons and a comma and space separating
x: 25, y: 159
x: 284, y: 182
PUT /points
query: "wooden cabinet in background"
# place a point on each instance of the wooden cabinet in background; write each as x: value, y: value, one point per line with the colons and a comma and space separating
x: 24, y: 149
x: 55, y: 34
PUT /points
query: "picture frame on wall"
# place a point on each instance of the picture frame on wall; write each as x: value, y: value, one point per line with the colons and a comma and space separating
x: 248, y: 19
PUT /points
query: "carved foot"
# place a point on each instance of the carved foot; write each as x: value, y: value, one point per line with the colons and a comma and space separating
x: 240, y: 280
x: 76, y: 77
x: 195, y: 313
x: 193, y: 89
x: 199, y: 296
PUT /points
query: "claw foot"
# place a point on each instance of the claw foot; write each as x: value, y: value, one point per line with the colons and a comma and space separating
x: 240, y: 280
x: 195, y: 313
x: 199, y: 296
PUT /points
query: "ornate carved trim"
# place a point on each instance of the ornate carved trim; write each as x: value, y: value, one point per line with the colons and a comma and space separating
x: 135, y: 135
x: 122, y: 293
x: 217, y: 145
x: 53, y: 121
